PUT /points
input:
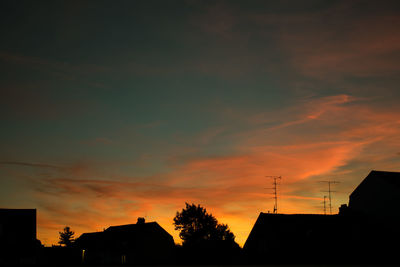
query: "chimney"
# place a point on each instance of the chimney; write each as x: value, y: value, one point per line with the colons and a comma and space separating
x: 140, y: 220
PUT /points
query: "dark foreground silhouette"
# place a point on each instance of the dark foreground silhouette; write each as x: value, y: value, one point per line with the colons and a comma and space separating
x: 366, y: 231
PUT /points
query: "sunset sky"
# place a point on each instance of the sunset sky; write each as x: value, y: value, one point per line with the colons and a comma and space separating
x: 113, y: 110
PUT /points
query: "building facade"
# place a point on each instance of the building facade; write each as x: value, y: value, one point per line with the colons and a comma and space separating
x: 127, y: 244
x: 18, y: 241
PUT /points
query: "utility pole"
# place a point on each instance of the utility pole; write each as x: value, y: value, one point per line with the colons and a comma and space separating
x: 329, y: 182
x: 275, y: 188
x: 324, y: 205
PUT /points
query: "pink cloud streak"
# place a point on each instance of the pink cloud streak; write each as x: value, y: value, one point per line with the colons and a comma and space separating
x: 315, y: 139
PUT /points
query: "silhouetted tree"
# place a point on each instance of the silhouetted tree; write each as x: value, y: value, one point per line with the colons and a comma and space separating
x: 196, y: 225
x: 66, y: 237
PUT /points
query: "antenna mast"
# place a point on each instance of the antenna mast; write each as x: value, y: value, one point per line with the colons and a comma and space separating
x: 329, y: 182
x: 275, y: 188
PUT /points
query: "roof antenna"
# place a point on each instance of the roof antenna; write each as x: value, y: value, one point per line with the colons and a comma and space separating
x: 329, y: 182
x: 275, y: 188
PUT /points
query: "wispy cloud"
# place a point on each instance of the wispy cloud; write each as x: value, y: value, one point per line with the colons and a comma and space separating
x: 31, y: 164
x: 317, y: 138
x: 62, y: 68
x: 324, y: 131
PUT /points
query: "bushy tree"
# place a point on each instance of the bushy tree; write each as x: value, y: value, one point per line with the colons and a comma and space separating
x: 196, y: 225
x: 66, y: 237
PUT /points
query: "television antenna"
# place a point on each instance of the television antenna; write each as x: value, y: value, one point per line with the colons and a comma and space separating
x: 329, y: 182
x: 275, y: 188
x: 324, y: 205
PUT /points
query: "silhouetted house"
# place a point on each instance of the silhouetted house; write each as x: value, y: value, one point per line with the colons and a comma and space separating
x: 295, y: 237
x: 367, y: 230
x: 133, y: 243
x: 377, y: 195
x: 375, y: 206
x: 18, y: 235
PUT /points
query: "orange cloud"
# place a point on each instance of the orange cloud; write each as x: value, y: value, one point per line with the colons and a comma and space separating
x: 341, y: 132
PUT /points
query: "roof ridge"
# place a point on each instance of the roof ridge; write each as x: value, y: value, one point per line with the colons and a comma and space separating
x: 131, y: 224
x: 385, y: 171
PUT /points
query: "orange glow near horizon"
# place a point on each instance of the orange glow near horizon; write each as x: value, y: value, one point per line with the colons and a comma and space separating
x: 231, y: 187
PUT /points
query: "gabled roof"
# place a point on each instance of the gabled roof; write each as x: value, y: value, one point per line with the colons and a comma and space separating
x: 133, y: 227
x: 265, y: 219
x: 138, y: 231
x: 390, y: 178
x: 91, y: 235
x: 268, y: 224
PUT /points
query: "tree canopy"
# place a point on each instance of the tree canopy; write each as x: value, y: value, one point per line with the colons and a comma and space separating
x: 66, y: 237
x: 195, y: 224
